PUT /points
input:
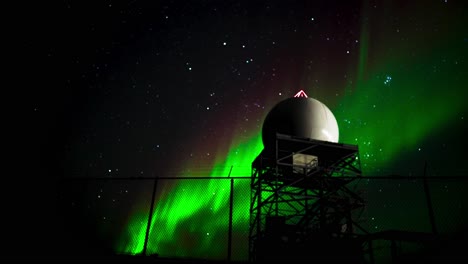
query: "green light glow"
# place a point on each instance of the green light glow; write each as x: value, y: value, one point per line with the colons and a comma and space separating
x: 411, y: 111
x: 402, y: 100
x: 240, y: 157
x: 195, y: 212
x: 135, y: 239
x: 399, y: 99
x: 379, y: 115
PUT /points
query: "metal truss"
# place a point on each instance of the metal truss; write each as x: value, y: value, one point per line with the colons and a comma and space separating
x: 309, y: 197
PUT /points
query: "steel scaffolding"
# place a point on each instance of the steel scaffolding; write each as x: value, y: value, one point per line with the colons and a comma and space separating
x: 303, y: 198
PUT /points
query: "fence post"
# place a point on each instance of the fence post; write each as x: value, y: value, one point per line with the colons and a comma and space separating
x: 231, y: 197
x: 150, y: 216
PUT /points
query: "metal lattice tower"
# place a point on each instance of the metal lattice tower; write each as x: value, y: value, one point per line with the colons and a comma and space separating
x: 303, y: 200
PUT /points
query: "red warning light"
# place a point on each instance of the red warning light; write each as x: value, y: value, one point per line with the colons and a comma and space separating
x: 301, y: 93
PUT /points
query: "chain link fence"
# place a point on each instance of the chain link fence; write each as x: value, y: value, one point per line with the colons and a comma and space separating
x: 208, y: 217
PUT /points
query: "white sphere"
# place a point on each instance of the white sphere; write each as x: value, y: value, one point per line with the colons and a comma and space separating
x: 301, y: 117
x: 324, y: 126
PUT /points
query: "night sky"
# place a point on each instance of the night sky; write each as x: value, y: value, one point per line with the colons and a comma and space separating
x: 181, y: 88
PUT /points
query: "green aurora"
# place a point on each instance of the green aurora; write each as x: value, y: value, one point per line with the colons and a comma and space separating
x: 388, y: 111
x: 188, y: 202
x: 381, y: 130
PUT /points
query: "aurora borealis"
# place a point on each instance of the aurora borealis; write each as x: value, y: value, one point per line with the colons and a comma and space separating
x: 180, y: 89
x: 187, y: 201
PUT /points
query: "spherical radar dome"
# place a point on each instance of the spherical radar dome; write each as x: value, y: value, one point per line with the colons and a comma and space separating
x: 302, y: 117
